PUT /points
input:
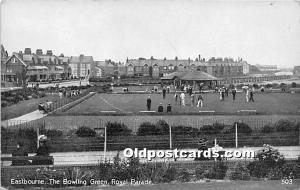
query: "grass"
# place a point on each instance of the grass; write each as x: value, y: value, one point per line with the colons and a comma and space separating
x: 24, y: 107
x: 269, y: 103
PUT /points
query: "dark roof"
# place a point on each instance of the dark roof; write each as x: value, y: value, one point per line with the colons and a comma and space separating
x: 181, y: 62
x: 190, y: 75
x: 15, y: 55
x: 82, y: 59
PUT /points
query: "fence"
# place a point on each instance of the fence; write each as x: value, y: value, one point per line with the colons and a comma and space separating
x: 64, y: 139
x: 133, y: 122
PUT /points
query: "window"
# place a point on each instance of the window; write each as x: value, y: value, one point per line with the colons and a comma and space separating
x: 14, y: 60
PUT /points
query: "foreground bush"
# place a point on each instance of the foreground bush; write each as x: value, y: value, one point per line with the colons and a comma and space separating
x: 184, y: 130
x: 218, y: 171
x: 117, y: 129
x: 85, y: 132
x: 238, y: 172
x: 212, y: 129
x: 183, y: 175
x: 268, y: 128
x: 284, y: 125
x: 148, y: 128
x: 241, y: 128
x: 159, y: 128
x: 268, y: 162
x: 201, y: 172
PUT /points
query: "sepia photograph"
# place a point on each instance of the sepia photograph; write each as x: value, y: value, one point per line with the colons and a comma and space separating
x: 149, y: 94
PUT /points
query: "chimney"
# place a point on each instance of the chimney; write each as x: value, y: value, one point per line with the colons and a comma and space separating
x: 27, y: 51
x: 49, y: 52
x: 199, y: 57
x: 20, y: 54
x: 81, y: 57
x: 39, y: 52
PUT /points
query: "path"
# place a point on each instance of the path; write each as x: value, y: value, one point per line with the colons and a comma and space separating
x: 24, y: 118
x: 93, y: 157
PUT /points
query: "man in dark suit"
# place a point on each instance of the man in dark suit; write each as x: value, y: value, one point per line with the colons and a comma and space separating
x: 160, y: 108
x: 148, y: 103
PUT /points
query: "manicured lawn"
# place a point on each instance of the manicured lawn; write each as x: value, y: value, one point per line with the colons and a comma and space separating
x: 25, y: 107
x: 269, y: 103
x: 245, y: 185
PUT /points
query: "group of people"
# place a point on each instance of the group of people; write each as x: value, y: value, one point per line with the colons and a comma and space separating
x: 197, y: 99
x: 249, y: 93
x: 42, y: 151
x: 224, y: 92
x: 160, y: 107
x: 192, y: 95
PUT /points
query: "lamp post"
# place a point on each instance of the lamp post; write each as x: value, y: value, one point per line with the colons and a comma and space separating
x: 236, y: 133
x: 236, y: 136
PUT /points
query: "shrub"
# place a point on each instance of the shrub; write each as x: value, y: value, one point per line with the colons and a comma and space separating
x: 218, y: 171
x: 42, y: 94
x: 212, y: 129
x: 4, y: 103
x: 27, y: 133
x: 10, y: 99
x: 282, y: 85
x: 184, y: 130
x: 85, y: 132
x: 241, y: 128
x: 268, y: 163
x: 183, y: 175
x: 238, y: 172
x: 268, y: 128
x: 117, y: 129
x: 148, y: 128
x: 20, y: 97
x: 34, y: 96
x: 169, y: 174
x: 54, y: 133
x: 160, y: 128
x: 257, y: 169
x: 163, y: 126
x: 275, y: 85
x: 158, y: 173
x: 284, y: 125
x: 200, y: 172
x: 269, y: 85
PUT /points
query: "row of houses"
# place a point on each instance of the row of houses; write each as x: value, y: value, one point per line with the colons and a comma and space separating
x: 217, y: 67
x: 25, y: 66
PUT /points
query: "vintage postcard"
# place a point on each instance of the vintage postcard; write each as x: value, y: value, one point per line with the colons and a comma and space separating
x: 148, y: 94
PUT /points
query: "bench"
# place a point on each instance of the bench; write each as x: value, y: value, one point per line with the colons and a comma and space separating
x: 246, y: 111
x: 147, y: 111
x: 28, y: 158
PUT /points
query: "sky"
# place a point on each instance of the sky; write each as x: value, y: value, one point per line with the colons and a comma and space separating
x: 260, y: 32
